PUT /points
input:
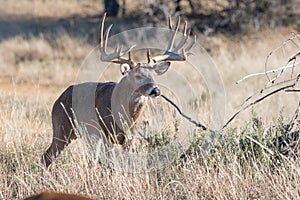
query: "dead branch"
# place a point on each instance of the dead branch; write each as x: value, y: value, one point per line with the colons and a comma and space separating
x: 291, y: 39
x: 292, y: 90
x: 290, y: 65
x: 262, y: 98
x: 198, y: 124
x: 283, y: 85
x: 286, y: 67
x: 269, y: 87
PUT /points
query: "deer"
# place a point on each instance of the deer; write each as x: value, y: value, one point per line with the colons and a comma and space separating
x: 134, y: 89
x: 48, y: 195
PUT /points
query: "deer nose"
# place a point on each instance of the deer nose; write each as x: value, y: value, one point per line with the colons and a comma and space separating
x: 155, y: 92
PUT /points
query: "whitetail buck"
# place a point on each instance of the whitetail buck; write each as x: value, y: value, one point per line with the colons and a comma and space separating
x: 57, y: 196
x: 135, y: 87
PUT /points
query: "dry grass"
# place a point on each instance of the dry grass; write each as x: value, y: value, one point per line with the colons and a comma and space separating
x: 230, y: 172
x: 36, y: 69
x: 40, y: 60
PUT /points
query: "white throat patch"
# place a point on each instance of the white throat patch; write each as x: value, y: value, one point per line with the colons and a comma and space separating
x: 141, y: 100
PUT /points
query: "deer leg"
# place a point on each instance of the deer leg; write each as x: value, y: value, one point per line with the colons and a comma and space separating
x: 59, y: 142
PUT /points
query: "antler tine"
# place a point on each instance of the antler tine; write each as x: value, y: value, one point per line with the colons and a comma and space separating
x: 184, y: 38
x: 178, y: 23
x: 185, y: 27
x: 188, y: 48
x: 114, y: 57
x: 170, y: 23
x: 129, y: 55
x: 173, y: 32
x: 172, y: 53
x: 100, y: 32
x: 148, y: 55
x: 106, y: 37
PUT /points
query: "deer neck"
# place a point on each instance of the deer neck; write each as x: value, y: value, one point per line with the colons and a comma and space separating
x: 136, y: 105
x: 130, y: 103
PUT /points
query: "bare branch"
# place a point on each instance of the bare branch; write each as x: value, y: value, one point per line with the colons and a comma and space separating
x: 261, y: 99
x: 295, y: 36
x: 268, y: 87
x: 284, y: 85
x: 198, y: 124
x: 268, y: 72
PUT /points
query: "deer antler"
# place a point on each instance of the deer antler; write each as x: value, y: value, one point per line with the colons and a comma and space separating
x: 172, y: 53
x: 114, y: 57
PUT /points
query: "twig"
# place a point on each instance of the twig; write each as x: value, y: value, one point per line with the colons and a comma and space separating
x: 276, y: 49
x: 266, y: 88
x: 198, y: 124
x: 271, y: 82
x: 259, y: 144
x: 277, y: 84
x: 286, y: 67
x: 292, y: 90
x: 268, y: 72
x: 294, y: 61
x: 262, y: 98
x: 267, y: 149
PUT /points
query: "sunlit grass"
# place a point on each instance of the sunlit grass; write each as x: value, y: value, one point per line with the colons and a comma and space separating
x: 254, y: 158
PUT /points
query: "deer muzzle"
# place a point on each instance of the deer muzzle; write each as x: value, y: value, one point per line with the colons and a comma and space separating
x: 155, y: 92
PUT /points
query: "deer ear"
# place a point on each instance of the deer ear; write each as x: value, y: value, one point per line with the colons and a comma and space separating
x: 162, y: 67
x: 124, y: 68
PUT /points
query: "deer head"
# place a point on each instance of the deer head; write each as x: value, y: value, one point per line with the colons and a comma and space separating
x: 137, y: 83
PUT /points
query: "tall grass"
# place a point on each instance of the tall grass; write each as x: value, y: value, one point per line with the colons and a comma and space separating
x: 245, y: 164
x: 255, y: 158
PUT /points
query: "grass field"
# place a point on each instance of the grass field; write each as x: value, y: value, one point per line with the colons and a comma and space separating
x: 42, y: 46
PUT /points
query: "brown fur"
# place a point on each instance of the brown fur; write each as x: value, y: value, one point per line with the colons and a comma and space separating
x: 129, y: 91
x: 47, y: 195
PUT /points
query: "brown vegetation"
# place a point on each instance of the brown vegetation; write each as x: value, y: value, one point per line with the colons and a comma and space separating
x: 255, y: 158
